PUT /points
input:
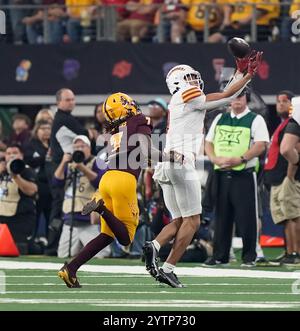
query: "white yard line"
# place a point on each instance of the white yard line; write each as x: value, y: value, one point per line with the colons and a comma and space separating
x: 177, y: 292
x: 138, y: 270
x: 142, y: 284
x: 158, y: 303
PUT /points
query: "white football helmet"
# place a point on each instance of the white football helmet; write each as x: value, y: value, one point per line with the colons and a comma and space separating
x: 182, y: 76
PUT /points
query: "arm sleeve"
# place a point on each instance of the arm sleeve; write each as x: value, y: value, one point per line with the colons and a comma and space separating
x: 293, y: 128
x: 147, y: 148
x: 259, y: 130
x: 28, y: 174
x: 209, y: 105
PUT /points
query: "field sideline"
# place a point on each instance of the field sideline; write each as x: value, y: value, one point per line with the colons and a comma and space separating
x: 31, y: 283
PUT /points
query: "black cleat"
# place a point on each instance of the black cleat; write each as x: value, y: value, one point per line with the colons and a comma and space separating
x: 64, y: 274
x: 93, y: 206
x: 150, y: 254
x: 169, y: 278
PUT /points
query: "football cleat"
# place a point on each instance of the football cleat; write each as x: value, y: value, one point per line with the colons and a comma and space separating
x: 169, y: 278
x: 93, y: 206
x: 150, y: 254
x: 64, y: 274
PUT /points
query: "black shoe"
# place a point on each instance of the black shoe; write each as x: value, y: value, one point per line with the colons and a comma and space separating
x: 151, y: 262
x: 169, y: 278
x: 93, y: 206
x: 263, y: 262
x: 64, y: 274
x: 211, y: 262
x: 277, y: 261
x: 290, y: 259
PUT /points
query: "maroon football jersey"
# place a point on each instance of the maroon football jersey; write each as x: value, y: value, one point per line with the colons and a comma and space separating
x: 124, y: 151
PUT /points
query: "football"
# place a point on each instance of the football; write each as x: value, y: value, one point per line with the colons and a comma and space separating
x: 238, y: 47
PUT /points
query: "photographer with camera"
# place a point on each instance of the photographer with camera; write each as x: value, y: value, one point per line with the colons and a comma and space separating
x: 17, y: 196
x: 79, y: 174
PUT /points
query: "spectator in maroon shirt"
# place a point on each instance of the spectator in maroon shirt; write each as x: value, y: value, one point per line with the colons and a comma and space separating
x: 136, y: 26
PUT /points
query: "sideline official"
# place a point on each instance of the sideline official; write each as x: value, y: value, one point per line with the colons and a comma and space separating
x: 233, y: 144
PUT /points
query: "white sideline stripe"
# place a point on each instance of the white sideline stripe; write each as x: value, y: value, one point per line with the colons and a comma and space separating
x: 181, y: 271
x: 158, y: 303
x: 148, y: 292
x: 144, y: 284
x: 206, y: 305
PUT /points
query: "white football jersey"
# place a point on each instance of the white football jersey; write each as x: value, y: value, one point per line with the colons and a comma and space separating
x: 185, y: 127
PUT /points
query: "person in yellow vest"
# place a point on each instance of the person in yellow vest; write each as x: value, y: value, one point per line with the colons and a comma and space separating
x: 238, y: 17
x: 88, y: 177
x: 233, y: 144
x: 17, y: 196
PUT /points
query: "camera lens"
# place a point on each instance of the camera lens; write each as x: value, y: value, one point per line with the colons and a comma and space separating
x: 78, y: 157
x: 17, y: 166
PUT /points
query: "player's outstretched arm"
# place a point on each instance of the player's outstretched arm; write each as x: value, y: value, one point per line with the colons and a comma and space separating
x: 253, y: 65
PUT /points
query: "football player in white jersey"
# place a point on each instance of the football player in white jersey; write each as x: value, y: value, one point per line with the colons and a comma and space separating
x: 181, y: 185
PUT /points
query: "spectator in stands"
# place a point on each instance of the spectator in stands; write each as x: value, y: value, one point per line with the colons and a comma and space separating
x: 289, y: 27
x: 136, y: 26
x: 44, y: 114
x: 238, y: 17
x: 172, y: 19
x: 80, y: 15
x: 87, y: 179
x: 35, y: 156
x: 191, y: 17
x: 120, y: 7
x: 196, y: 16
x: 21, y: 129
x: 16, y: 15
x: 35, y: 23
x: 17, y: 196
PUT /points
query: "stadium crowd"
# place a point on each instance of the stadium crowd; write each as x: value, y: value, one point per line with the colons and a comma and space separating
x: 48, y: 171
x: 177, y: 21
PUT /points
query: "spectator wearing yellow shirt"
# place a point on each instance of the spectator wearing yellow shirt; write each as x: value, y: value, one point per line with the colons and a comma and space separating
x: 196, y: 16
x: 238, y: 17
x: 80, y: 16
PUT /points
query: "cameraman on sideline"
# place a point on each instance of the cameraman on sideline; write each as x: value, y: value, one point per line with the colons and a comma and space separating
x: 84, y: 166
x: 17, y: 196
